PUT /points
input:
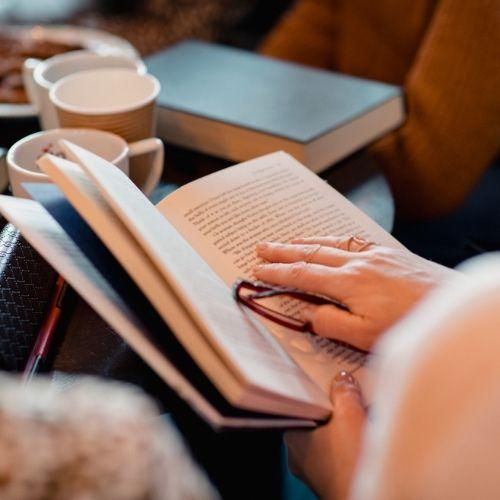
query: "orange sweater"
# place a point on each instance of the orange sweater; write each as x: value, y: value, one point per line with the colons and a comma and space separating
x: 447, y: 55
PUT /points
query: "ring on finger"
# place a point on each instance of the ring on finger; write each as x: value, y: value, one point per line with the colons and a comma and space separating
x: 311, y: 253
x: 357, y: 244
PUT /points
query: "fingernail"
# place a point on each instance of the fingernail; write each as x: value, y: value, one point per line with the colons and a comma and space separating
x: 345, y: 385
x: 344, y: 381
x: 344, y: 377
x: 358, y: 239
x: 262, y: 245
x: 307, y: 313
x: 257, y: 268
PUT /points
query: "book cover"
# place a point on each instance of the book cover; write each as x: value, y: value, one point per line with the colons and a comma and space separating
x: 237, y: 104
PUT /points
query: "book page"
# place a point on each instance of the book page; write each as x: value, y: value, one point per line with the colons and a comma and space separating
x: 47, y: 237
x: 273, y: 380
x: 86, y: 199
x: 273, y: 198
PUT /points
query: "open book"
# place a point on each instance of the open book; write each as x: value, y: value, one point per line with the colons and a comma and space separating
x: 161, y: 276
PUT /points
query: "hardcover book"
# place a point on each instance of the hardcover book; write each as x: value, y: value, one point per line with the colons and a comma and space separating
x: 238, y: 105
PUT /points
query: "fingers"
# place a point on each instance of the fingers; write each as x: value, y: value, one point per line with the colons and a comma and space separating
x: 327, y: 241
x: 327, y: 320
x: 346, y: 243
x: 314, y: 253
x: 313, y: 278
x: 335, y: 323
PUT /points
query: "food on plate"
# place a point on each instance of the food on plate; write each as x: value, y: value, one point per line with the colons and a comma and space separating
x: 14, y: 49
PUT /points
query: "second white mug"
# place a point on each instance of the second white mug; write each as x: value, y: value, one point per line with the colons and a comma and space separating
x: 40, y: 76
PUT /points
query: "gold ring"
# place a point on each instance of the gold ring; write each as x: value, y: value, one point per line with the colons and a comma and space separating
x: 310, y: 255
x: 361, y: 243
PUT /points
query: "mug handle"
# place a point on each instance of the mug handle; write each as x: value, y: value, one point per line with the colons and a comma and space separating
x: 29, y: 66
x: 151, y: 145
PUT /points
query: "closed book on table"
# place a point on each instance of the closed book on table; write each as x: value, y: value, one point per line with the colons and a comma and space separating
x: 237, y: 105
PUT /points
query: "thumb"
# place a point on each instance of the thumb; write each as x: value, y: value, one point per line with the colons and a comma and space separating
x: 348, y: 421
x: 335, y: 323
x: 347, y: 401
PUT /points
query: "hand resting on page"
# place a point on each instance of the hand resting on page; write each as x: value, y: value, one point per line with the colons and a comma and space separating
x: 377, y: 284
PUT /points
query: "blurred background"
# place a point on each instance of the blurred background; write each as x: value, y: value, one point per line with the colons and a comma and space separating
x: 151, y: 25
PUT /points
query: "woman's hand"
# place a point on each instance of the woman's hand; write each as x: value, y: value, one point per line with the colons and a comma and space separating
x: 326, y: 457
x: 377, y: 284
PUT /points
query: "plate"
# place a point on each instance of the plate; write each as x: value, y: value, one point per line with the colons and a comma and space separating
x: 96, y: 40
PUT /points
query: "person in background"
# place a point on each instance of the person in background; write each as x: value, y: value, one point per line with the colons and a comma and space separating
x: 431, y: 430
x: 445, y: 53
x: 91, y: 440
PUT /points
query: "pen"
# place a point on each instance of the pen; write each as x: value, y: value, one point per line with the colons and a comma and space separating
x: 46, y: 333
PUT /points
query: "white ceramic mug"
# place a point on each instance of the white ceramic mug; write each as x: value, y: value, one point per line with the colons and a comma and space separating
x: 40, y: 76
x: 113, y: 99
x: 22, y: 156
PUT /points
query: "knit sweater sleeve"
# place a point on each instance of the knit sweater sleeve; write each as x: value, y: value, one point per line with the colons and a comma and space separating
x: 452, y: 132
x: 305, y: 34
